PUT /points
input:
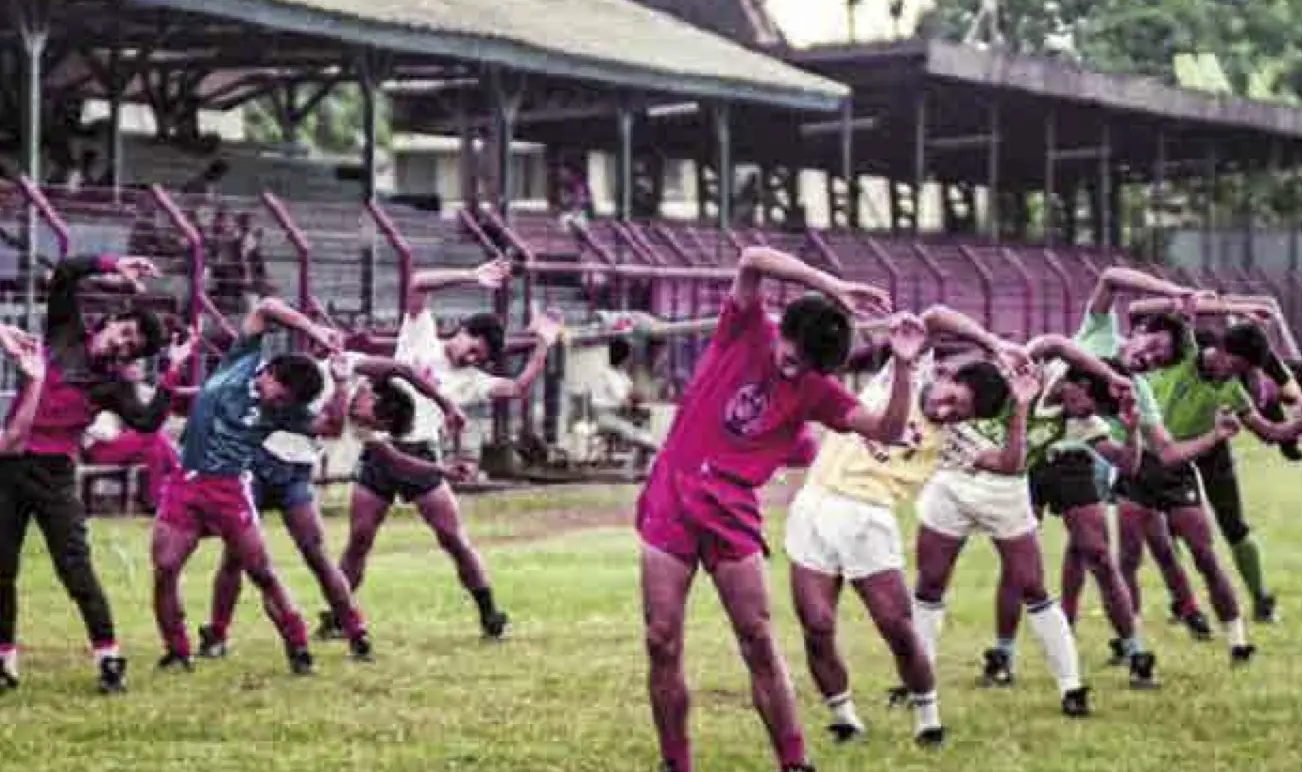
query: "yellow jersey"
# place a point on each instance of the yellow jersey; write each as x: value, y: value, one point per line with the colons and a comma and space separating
x: 877, y: 473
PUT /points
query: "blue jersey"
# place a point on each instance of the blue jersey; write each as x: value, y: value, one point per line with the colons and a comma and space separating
x: 226, y: 425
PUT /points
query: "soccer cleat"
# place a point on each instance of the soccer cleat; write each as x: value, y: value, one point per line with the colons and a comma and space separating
x: 329, y: 629
x: 799, y: 768
x: 360, y: 648
x: 7, y: 679
x: 173, y: 661
x: 1263, y: 610
x: 844, y: 731
x: 210, y: 646
x: 1141, y: 671
x: 898, y: 697
x: 998, y: 670
x: 300, y: 661
x: 1076, y: 703
x: 1119, y: 656
x: 112, y: 675
x: 494, y: 625
x: 1197, y: 625
x: 668, y: 766
x: 1242, y: 655
x: 931, y: 737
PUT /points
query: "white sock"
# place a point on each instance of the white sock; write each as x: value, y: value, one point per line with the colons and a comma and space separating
x: 926, y: 712
x: 103, y: 652
x: 1050, y: 627
x: 842, y: 708
x: 10, y: 659
x: 928, y: 617
x: 1236, y: 633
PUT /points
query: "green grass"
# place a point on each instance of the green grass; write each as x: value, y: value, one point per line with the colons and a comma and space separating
x: 567, y: 692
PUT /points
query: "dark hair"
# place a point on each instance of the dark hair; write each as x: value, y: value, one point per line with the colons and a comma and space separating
x: 620, y: 351
x: 820, y: 330
x: 989, y: 389
x: 1171, y: 324
x: 153, y: 335
x: 1248, y: 342
x: 1098, y: 389
x: 488, y: 328
x: 300, y: 374
x: 394, y: 409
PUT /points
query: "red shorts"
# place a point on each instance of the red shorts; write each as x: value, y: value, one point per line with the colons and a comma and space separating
x: 700, y: 516
x: 213, y: 506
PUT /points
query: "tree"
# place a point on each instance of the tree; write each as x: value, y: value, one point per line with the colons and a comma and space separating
x: 334, y: 127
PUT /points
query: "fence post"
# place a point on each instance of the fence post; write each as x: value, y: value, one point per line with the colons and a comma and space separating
x: 301, y: 246
x: 398, y: 244
x: 195, y: 243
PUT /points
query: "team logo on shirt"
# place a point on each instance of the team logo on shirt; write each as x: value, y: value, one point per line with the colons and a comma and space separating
x: 742, y: 414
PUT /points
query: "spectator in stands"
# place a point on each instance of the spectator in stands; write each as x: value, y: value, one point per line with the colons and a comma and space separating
x: 83, y: 176
x: 208, y: 182
x: 109, y: 442
x: 249, y: 246
x: 575, y: 197
x: 617, y: 405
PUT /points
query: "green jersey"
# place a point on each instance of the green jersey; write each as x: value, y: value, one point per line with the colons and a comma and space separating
x: 1189, y: 401
x: 1042, y: 432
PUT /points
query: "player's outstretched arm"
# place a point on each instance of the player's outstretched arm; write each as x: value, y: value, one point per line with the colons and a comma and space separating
x: 408, y: 465
x: 1128, y: 455
x: 491, y: 275
x: 333, y: 417
x: 943, y: 320
x: 29, y: 355
x: 908, y: 339
x: 546, y: 330
x: 121, y: 398
x: 759, y: 263
x: 274, y: 311
x: 1049, y: 347
x: 380, y: 368
x: 1172, y: 452
x: 1268, y: 431
x: 1117, y: 279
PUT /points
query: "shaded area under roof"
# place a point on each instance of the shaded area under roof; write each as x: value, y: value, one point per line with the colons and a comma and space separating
x: 614, y: 42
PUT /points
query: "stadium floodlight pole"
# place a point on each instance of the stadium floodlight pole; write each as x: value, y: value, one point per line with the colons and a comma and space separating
x: 35, y: 34
x: 624, y: 169
x: 992, y: 171
x: 724, y: 173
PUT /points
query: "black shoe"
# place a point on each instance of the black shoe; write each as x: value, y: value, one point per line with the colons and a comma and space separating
x: 1263, y: 610
x: 799, y: 768
x: 300, y: 661
x: 1118, y: 649
x: 173, y: 661
x: 1141, y: 671
x: 1076, y: 703
x: 112, y: 675
x: 1176, y: 617
x: 210, y: 646
x: 1197, y: 625
x: 998, y: 670
x: 7, y: 679
x: 1242, y: 655
x: 360, y: 648
x: 494, y: 625
x: 931, y: 737
x: 329, y: 629
x: 843, y: 732
x: 898, y: 697
x: 668, y: 766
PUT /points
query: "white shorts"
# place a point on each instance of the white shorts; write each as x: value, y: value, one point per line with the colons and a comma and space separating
x: 957, y: 503
x: 838, y: 536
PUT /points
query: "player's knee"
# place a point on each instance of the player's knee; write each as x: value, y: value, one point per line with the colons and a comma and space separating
x: 755, y: 639
x: 1093, y: 554
x: 452, y: 540
x: 897, y: 631
x: 820, y: 632
x: 664, y: 641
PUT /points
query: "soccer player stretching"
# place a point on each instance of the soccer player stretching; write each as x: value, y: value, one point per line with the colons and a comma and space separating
x: 282, y: 479
x: 740, y: 419
x: 842, y: 527
x: 454, y: 363
x: 242, y: 402
x: 39, y: 481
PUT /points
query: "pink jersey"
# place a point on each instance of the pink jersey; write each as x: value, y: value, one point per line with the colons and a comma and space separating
x: 739, y: 417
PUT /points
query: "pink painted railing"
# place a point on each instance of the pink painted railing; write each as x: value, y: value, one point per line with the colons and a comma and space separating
x: 47, y: 213
x: 400, y: 246
x: 194, y: 243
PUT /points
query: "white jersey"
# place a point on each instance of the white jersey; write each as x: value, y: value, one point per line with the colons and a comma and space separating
x: 295, y: 448
x: 420, y: 346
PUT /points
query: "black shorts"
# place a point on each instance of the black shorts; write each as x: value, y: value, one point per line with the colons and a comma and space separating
x: 1067, y: 482
x: 376, y: 475
x: 1161, y: 488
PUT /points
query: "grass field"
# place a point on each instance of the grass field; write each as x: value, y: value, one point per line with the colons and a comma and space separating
x: 567, y: 691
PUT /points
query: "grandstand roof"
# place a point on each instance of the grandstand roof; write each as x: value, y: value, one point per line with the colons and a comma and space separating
x: 615, y: 42
x: 745, y: 21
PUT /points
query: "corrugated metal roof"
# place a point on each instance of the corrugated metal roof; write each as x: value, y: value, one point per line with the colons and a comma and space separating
x: 616, y: 41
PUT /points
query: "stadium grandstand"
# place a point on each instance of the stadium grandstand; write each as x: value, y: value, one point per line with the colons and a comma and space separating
x: 621, y: 173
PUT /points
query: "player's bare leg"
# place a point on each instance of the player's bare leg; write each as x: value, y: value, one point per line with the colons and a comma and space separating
x: 250, y: 548
x: 1190, y: 525
x: 1138, y: 528
x: 743, y: 590
x: 303, y: 522
x: 170, y: 548
x: 366, y: 514
x: 815, y: 596
x: 441, y: 512
x: 666, y: 582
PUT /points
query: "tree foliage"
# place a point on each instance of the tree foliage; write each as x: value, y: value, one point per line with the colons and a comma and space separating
x: 335, y: 127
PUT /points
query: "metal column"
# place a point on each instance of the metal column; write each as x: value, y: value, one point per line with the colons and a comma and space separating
x: 919, y: 158
x: 1157, y: 199
x: 1209, y: 208
x: 1104, y: 200
x: 34, y: 35
x: 847, y: 166
x: 992, y: 175
x: 369, y: 83
x: 1049, y: 215
x: 723, y: 133
x: 624, y: 163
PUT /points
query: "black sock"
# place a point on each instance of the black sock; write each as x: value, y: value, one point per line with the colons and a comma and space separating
x: 484, y: 600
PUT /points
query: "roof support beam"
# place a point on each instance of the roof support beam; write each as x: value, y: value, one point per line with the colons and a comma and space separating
x: 33, y: 28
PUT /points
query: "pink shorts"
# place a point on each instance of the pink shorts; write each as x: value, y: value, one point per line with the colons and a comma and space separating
x: 700, y: 516
x: 213, y: 506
